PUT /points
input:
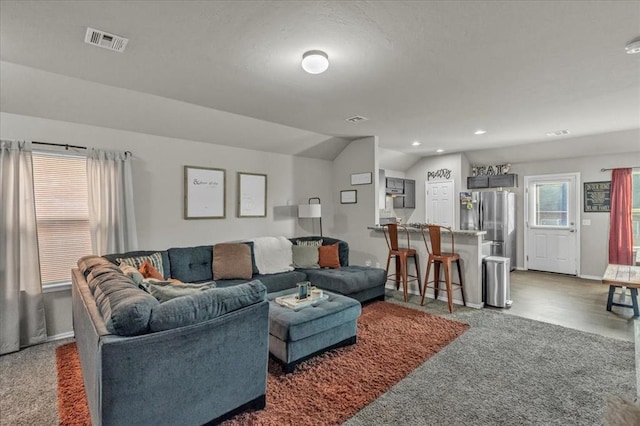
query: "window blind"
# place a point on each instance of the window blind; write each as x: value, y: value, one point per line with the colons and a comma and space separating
x: 62, y: 214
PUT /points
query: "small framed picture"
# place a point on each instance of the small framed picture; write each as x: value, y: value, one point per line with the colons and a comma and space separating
x: 349, y: 197
x: 204, y: 193
x: 252, y: 195
x: 361, y: 178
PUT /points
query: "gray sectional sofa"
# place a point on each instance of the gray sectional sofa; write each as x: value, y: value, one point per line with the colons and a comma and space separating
x: 193, y: 359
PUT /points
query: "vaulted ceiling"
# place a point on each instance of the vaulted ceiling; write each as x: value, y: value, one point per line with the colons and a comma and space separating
x: 432, y: 71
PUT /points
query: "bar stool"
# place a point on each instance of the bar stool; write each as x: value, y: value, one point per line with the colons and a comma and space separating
x: 437, y: 257
x: 401, y: 255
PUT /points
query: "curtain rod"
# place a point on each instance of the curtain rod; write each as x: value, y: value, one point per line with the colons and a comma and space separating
x: 632, y: 167
x: 67, y: 146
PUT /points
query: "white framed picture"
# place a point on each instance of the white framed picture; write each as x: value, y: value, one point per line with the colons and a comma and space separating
x: 361, y: 178
x: 349, y: 196
x: 204, y: 193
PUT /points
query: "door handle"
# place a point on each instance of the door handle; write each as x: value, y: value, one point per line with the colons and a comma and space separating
x: 572, y: 230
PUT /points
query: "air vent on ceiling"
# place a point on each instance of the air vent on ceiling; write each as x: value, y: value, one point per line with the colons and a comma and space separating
x: 558, y: 133
x: 355, y: 119
x: 105, y: 40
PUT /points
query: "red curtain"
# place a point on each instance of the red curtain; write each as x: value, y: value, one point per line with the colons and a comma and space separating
x: 620, y: 224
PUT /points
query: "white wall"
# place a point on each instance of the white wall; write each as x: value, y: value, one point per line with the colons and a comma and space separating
x: 351, y: 220
x: 158, y: 188
x: 595, y: 237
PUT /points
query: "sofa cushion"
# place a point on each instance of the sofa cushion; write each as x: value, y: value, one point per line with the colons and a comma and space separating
x: 348, y: 280
x: 166, y: 290
x: 205, y: 305
x: 125, y: 308
x: 191, y: 264
x: 328, y: 256
x: 165, y: 259
x: 343, y: 247
x: 86, y: 264
x: 232, y: 261
x: 273, y: 282
x: 305, y: 256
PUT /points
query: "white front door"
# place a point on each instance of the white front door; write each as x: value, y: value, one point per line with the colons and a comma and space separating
x: 440, y: 203
x: 551, y: 230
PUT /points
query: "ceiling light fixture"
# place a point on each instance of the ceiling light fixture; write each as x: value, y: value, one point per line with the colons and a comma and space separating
x: 416, y: 143
x: 479, y: 132
x: 633, y: 46
x: 315, y: 61
x: 439, y: 150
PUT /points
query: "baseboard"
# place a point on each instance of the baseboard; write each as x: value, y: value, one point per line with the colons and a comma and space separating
x: 590, y: 277
x: 60, y: 336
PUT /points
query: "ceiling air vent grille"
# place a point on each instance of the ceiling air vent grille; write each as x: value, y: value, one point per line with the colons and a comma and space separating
x: 105, y: 40
x: 356, y: 119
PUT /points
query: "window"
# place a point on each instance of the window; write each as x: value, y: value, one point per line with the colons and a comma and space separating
x: 551, y: 207
x: 635, y: 209
x: 62, y: 213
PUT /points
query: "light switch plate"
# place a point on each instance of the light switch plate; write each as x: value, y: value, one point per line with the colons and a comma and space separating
x: 586, y: 222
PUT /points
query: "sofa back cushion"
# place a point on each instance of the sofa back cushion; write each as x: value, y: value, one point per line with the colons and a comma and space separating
x: 166, y: 272
x: 343, y: 247
x: 191, y: 264
x: 125, y: 308
x: 205, y: 305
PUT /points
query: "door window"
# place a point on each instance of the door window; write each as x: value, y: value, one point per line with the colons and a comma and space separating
x: 551, y: 206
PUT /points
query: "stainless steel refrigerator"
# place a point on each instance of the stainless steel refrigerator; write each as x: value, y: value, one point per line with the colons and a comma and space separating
x: 494, y: 212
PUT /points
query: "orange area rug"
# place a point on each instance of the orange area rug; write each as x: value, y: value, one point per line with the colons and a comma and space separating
x: 328, y: 389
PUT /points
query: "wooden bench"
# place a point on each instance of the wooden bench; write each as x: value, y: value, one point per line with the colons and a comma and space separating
x: 623, y: 276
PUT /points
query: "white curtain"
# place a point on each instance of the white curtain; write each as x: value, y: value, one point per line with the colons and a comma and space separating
x: 111, y: 212
x: 22, y: 321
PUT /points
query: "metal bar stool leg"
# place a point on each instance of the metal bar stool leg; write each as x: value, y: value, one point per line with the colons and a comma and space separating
x: 426, y: 283
x: 464, y: 303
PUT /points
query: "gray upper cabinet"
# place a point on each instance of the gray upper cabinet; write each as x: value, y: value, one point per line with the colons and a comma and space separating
x: 407, y: 198
x: 493, y: 181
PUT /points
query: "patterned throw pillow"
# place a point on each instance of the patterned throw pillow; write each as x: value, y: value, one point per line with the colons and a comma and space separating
x: 312, y: 243
x: 154, y: 259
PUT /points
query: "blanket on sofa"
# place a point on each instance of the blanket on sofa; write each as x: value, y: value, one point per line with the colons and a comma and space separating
x: 273, y: 254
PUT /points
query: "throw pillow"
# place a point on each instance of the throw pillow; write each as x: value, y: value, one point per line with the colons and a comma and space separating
x: 305, y: 256
x: 148, y: 271
x: 166, y: 290
x: 232, y: 261
x: 154, y: 259
x: 312, y: 243
x: 328, y: 256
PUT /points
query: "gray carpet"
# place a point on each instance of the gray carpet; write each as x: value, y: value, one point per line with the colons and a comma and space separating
x: 507, y: 370
x: 503, y: 370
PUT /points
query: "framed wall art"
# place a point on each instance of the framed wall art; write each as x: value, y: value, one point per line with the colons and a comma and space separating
x: 349, y: 197
x: 204, y: 193
x: 361, y: 178
x: 252, y: 195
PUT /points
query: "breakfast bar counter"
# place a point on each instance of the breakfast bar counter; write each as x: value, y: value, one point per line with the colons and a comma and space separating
x: 468, y: 244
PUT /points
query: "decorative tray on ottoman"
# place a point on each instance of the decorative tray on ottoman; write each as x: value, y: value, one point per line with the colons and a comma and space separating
x: 292, y: 302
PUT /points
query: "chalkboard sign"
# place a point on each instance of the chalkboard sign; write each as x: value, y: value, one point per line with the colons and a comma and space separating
x: 597, y: 197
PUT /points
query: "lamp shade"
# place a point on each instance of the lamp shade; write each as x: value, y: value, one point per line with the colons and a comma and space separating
x: 309, y: 210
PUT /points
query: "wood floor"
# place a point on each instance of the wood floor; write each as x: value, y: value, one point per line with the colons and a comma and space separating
x: 569, y: 301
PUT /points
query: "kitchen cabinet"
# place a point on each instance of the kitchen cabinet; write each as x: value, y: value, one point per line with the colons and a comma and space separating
x: 406, y: 199
x: 493, y: 181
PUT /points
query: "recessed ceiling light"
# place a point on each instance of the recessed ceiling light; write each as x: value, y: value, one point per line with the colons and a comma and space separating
x: 633, y: 47
x: 479, y: 132
x: 415, y: 143
x: 558, y: 133
x: 315, y: 61
x: 439, y: 150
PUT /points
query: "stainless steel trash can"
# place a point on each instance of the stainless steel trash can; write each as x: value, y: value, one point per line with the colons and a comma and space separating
x: 496, y: 281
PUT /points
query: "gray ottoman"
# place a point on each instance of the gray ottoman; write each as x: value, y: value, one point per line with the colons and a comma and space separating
x: 295, y: 336
x: 358, y: 282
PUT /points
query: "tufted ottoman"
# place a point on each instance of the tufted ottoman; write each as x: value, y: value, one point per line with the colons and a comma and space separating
x: 359, y: 282
x: 295, y: 336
